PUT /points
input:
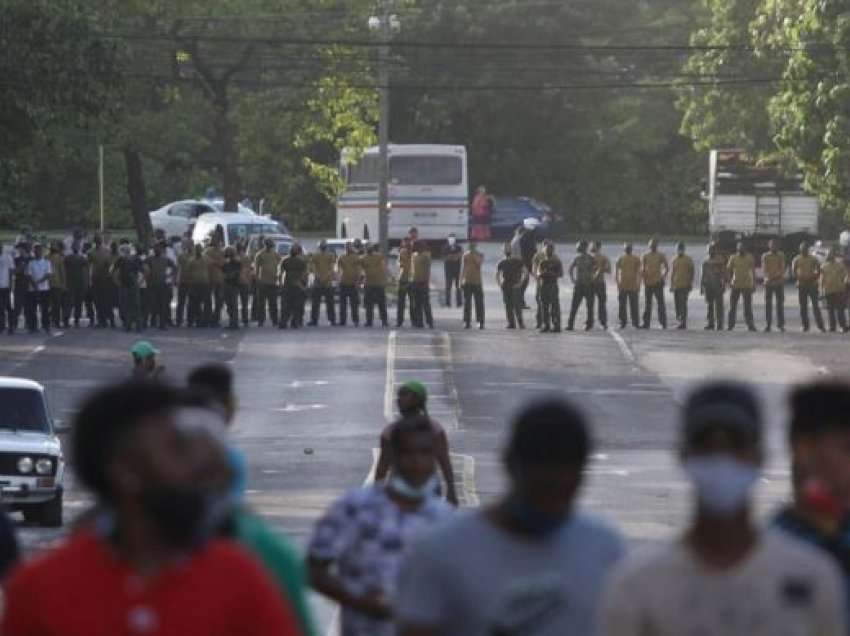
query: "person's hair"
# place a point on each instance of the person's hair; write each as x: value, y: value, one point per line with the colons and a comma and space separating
x: 547, y: 432
x: 408, y: 426
x: 216, y: 379
x: 819, y: 408
x: 106, y: 418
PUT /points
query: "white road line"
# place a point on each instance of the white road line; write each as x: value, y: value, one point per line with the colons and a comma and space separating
x: 389, y: 386
x: 628, y: 354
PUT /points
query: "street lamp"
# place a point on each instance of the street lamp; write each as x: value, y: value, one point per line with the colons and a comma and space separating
x: 384, y: 25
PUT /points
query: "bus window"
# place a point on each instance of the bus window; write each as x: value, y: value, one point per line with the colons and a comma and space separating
x: 426, y: 171
x: 365, y: 171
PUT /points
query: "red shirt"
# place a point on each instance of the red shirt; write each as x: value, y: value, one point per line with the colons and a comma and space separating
x: 83, y: 589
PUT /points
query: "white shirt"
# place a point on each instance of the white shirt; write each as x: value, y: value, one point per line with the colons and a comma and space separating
x: 7, y: 266
x: 783, y: 588
x: 37, y: 269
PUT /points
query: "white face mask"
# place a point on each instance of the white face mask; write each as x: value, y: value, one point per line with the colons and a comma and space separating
x: 401, y: 486
x: 452, y: 240
x: 723, y: 484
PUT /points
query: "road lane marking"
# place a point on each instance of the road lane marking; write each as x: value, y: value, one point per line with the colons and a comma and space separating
x: 628, y: 354
x: 389, y: 386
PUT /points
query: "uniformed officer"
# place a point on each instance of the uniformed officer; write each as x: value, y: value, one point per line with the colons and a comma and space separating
x: 773, y: 267
x: 375, y: 289
x: 806, y: 270
x: 582, y: 274
x: 266, y: 264
x: 833, y: 281
x: 473, y: 290
x: 742, y: 274
x: 539, y: 255
x: 421, y: 280
x: 549, y: 271
x: 322, y: 265
x: 197, y: 276
x: 600, y: 285
x: 681, y: 283
x: 350, y: 270
x: 58, y: 286
x: 101, y: 262
x: 511, y: 276
x: 655, y: 270
x: 157, y: 269
x: 294, y: 270
x: 184, y: 254
x: 452, y: 254
x: 247, y: 282
x: 77, y: 276
x: 232, y: 271
x: 214, y: 256
x: 627, y: 274
x: 127, y: 270
x: 405, y: 294
x: 713, y: 287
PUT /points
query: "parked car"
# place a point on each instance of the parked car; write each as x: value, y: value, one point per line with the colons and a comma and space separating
x: 233, y: 227
x: 32, y: 466
x: 508, y: 213
x: 176, y: 218
x: 218, y: 204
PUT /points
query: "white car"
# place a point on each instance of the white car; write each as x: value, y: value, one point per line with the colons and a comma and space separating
x: 32, y: 466
x: 179, y: 217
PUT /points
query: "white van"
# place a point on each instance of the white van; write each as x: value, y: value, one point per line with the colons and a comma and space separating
x: 233, y: 227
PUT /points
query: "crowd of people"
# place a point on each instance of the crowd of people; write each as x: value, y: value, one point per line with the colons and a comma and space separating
x: 171, y: 547
x: 134, y: 286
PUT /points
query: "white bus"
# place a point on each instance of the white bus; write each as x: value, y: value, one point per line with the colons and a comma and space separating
x: 428, y: 190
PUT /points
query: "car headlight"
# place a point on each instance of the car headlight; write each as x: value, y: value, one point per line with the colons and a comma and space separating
x: 25, y: 465
x: 44, y: 466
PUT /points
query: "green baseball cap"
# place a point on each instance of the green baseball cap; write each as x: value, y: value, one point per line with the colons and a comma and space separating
x: 416, y: 388
x: 143, y: 349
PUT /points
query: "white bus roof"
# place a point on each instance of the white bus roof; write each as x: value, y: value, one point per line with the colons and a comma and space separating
x: 414, y: 149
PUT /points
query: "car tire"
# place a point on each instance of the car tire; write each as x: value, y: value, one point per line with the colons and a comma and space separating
x: 31, y: 513
x: 50, y: 512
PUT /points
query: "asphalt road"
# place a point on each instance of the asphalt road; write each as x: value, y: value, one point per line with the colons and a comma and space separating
x: 313, y: 402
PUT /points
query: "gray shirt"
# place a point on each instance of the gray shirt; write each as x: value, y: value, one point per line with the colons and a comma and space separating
x: 472, y: 578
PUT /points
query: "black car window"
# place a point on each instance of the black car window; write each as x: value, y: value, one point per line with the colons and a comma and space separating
x: 23, y: 410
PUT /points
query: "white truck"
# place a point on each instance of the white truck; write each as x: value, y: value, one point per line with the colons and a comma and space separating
x: 754, y: 203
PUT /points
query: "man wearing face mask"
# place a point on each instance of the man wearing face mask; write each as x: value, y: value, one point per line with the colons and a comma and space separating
x: 725, y: 575
x: 528, y: 564
x: 150, y: 562
x: 452, y: 254
x: 357, y: 546
x: 819, y: 437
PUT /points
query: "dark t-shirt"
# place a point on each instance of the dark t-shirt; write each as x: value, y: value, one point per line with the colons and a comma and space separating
x: 551, y: 269
x: 232, y: 269
x: 294, y: 270
x: 451, y: 256
x: 129, y: 268
x: 511, y: 270
x: 528, y: 247
x: 77, y: 271
x: 22, y: 282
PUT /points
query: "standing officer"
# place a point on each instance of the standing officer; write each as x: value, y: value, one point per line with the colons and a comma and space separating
x: 214, y: 256
x: 350, y: 270
x: 511, y: 277
x: 39, y: 271
x: 742, y: 273
x: 247, y: 284
x: 713, y: 287
x: 473, y: 290
x: 404, y: 290
x: 582, y: 275
x: 22, y: 301
x: 232, y: 270
x: 549, y: 271
x: 322, y: 265
x: 294, y: 270
x: 681, y: 283
x: 421, y: 277
x: 266, y: 264
x: 655, y: 271
x: 197, y: 277
x: 375, y: 290
x: 101, y: 261
x: 158, y: 268
x: 538, y: 284
x: 773, y: 267
x: 452, y: 254
x: 627, y: 275
x: 58, y: 286
x: 833, y: 280
x: 806, y: 270
x: 600, y: 285
x: 128, y: 269
x: 183, y: 256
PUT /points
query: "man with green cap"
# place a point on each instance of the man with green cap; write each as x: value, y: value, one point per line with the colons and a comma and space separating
x: 144, y: 361
x: 412, y: 400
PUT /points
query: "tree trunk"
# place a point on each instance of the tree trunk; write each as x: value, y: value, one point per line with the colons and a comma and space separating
x: 228, y: 153
x: 136, y: 193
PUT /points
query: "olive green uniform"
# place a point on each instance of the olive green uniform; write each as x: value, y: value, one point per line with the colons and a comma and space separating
x: 215, y: 261
x: 681, y: 283
x: 473, y: 289
x: 58, y: 290
x: 322, y: 264
x: 713, y: 287
x: 196, y: 275
x: 807, y: 272
x: 405, y: 292
x: 654, y: 264
x: 600, y: 287
x: 375, y: 291
x: 773, y: 267
x: 549, y: 270
x: 833, y: 284
x: 421, y: 282
x: 742, y: 274
x: 350, y: 270
x: 293, y: 272
x: 628, y: 286
x: 266, y: 264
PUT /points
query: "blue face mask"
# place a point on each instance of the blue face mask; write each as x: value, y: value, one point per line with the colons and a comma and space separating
x: 400, y: 486
x: 532, y: 521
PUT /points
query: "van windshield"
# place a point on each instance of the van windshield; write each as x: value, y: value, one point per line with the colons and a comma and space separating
x: 238, y: 231
x: 23, y: 410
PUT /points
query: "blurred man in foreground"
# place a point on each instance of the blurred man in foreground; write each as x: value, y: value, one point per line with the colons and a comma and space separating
x: 150, y: 562
x: 725, y: 575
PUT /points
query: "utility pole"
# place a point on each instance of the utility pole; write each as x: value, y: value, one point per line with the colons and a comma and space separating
x: 384, y: 129
x: 100, y: 187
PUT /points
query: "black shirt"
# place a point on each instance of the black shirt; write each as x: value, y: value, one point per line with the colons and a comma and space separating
x: 511, y: 270
x: 231, y: 269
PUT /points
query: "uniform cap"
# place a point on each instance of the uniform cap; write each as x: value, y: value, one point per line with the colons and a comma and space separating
x: 416, y: 388
x: 143, y: 349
